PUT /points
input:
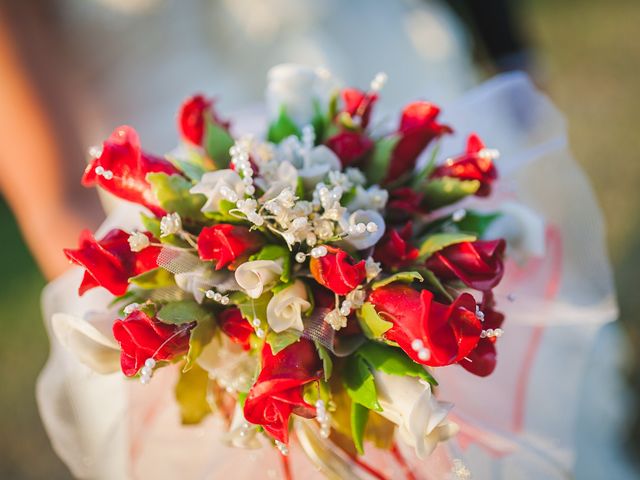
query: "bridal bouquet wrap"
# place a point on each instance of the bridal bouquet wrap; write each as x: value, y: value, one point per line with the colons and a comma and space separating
x: 324, y: 274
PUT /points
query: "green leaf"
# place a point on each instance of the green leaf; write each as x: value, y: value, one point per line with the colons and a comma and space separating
x: 153, y: 279
x: 359, y: 383
x: 276, y: 252
x: 151, y: 224
x: 217, y: 142
x: 200, y: 337
x: 359, y: 417
x: 393, y: 361
x: 251, y: 308
x: 378, y: 165
x: 438, y: 241
x: 436, y: 285
x: 423, y: 174
x: 191, y: 395
x: 406, y: 277
x: 327, y: 362
x: 280, y: 341
x: 475, y: 222
x: 172, y: 191
x: 319, y: 121
x: 182, y: 311
x: 282, y: 128
x: 373, y: 326
x: 440, y: 192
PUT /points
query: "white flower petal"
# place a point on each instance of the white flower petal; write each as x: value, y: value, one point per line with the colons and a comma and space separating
x: 285, y: 309
x: 254, y: 277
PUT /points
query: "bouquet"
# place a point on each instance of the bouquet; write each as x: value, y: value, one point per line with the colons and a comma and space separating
x: 319, y: 276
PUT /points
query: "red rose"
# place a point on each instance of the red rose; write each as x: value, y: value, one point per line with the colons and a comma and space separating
x: 472, y: 165
x: 350, y: 146
x: 482, y: 360
x: 236, y: 327
x: 358, y: 104
x: 404, y: 201
x: 278, y: 390
x: 192, y: 117
x: 122, y: 167
x: 418, y: 127
x: 477, y: 264
x: 394, y: 250
x: 109, y: 262
x: 141, y: 337
x: 225, y: 243
x: 338, y: 271
x: 447, y: 332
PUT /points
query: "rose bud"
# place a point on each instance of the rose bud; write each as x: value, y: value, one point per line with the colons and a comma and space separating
x: 429, y: 332
x: 122, y: 167
x: 278, y: 390
x: 109, y: 262
x: 192, y: 117
x: 418, y: 127
x: 350, y: 147
x: 482, y: 360
x: 235, y: 326
x: 338, y: 271
x: 404, y: 202
x: 477, y: 264
x: 395, y: 249
x: 358, y: 104
x: 475, y: 164
x: 225, y: 243
x: 142, y: 337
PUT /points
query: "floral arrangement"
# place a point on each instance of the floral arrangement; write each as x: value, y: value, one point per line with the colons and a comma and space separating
x: 321, y: 275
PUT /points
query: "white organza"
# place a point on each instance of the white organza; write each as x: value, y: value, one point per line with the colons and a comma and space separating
x: 518, y: 423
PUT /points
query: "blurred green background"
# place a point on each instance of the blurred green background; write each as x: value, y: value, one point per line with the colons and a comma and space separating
x: 589, y: 54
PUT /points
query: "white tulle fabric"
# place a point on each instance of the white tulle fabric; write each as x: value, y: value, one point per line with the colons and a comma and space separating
x: 518, y: 423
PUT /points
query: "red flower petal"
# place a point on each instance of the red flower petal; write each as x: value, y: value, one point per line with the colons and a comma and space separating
x: 141, y: 337
x: 337, y: 271
x: 129, y: 165
x: 349, y: 146
x: 277, y: 392
x: 477, y: 264
x: 109, y: 262
x: 192, y: 118
x: 471, y: 166
x: 449, y: 332
x: 394, y: 250
x: 225, y: 243
x: 236, y: 327
x: 418, y: 127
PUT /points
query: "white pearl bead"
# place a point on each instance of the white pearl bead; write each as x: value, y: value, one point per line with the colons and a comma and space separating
x: 209, y: 294
x: 250, y: 190
x: 217, y: 296
x: 150, y: 362
x: 256, y: 322
x: 260, y: 333
x: 146, y: 371
x: 224, y: 300
x: 300, y: 257
x: 372, y: 227
x: 424, y: 354
x: 417, y: 344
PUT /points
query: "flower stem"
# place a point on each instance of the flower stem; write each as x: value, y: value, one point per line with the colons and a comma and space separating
x: 368, y: 468
x: 286, y: 467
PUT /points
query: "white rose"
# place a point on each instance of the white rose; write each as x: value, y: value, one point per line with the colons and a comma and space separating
x: 228, y: 364
x: 242, y: 434
x: 254, y: 277
x: 219, y: 185
x: 201, y: 279
x: 294, y: 88
x: 285, y: 308
x: 368, y: 238
x: 410, y: 404
x: 89, y: 339
x: 522, y: 228
x: 316, y: 164
x: 374, y: 197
